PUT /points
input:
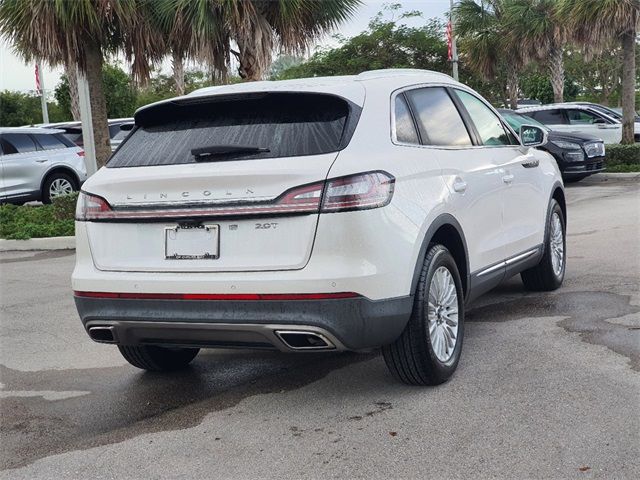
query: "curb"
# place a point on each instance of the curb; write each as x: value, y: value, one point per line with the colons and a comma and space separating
x: 51, y: 243
x: 617, y: 176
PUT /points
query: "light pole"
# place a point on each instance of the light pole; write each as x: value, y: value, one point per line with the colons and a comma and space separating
x: 454, y: 50
x: 43, y: 94
x: 88, y: 139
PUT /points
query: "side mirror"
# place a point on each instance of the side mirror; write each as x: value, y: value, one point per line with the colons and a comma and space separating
x: 126, y: 127
x: 532, y: 136
x: 599, y: 121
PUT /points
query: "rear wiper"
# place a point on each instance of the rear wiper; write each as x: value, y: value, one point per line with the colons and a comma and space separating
x: 203, y: 153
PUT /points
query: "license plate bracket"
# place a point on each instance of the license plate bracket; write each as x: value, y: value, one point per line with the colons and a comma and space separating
x: 201, y: 242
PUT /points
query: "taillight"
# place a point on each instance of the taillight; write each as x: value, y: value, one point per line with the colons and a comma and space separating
x: 354, y: 192
x: 92, y: 207
x: 80, y: 153
x: 358, y: 192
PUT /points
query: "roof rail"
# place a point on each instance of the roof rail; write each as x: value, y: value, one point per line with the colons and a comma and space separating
x: 392, y: 72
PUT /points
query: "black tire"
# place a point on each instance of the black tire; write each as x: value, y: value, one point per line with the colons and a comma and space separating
x: 46, y: 187
x: 542, y: 277
x: 158, y: 359
x: 412, y: 358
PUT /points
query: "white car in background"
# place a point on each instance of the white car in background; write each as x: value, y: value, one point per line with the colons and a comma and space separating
x: 38, y: 164
x: 119, y: 128
x: 578, y: 118
x: 323, y: 214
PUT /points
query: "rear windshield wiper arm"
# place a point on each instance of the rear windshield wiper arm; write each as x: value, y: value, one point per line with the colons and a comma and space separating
x: 204, y: 153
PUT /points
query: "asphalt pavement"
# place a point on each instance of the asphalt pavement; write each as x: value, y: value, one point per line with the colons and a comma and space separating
x: 548, y: 385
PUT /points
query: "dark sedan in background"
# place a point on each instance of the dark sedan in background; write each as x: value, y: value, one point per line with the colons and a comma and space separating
x: 578, y: 155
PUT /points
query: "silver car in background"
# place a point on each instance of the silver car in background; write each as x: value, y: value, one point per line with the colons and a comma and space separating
x: 38, y: 164
x: 119, y: 128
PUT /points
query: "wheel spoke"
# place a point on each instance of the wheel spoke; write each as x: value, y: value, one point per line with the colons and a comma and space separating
x: 442, y: 313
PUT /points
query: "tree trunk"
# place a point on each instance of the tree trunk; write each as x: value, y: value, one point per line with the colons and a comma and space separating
x: 93, y: 56
x: 556, y: 72
x: 628, y: 85
x: 70, y: 72
x: 512, y: 86
x: 178, y: 71
x: 255, y: 43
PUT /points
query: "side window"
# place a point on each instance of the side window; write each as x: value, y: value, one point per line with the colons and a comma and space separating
x: 17, y: 143
x: 114, y: 130
x: 438, y: 118
x: 122, y: 134
x: 549, y: 117
x: 488, y: 124
x: 48, y: 142
x: 583, y: 117
x: 405, y: 128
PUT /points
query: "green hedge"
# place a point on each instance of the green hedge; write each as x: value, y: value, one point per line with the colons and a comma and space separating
x: 622, y: 154
x: 36, y: 221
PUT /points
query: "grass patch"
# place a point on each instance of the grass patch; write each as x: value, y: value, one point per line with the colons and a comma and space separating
x: 38, y: 221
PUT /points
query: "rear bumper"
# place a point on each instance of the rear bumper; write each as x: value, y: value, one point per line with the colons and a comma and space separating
x: 347, y: 324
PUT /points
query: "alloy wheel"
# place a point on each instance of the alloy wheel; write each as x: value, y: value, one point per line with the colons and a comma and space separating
x: 60, y: 186
x: 442, y: 314
x: 557, y: 244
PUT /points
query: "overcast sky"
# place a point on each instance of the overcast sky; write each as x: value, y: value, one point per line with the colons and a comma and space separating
x: 15, y: 75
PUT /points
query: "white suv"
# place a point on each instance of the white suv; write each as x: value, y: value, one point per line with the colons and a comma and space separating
x: 38, y: 164
x: 340, y: 213
x: 579, y: 118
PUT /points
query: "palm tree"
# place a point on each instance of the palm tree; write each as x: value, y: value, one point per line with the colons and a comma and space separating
x: 485, y: 45
x: 192, y: 29
x: 257, y: 27
x: 537, y: 31
x: 78, y: 34
x: 597, y: 22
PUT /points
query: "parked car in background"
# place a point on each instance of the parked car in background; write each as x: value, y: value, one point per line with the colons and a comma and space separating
x: 578, y: 154
x: 612, y: 112
x: 73, y: 131
x: 575, y: 118
x: 38, y: 164
x: 377, y: 220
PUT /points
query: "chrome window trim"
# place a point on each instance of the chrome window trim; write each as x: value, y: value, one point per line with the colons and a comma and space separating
x: 407, y: 88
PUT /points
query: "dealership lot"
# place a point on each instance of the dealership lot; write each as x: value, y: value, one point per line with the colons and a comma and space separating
x: 548, y: 384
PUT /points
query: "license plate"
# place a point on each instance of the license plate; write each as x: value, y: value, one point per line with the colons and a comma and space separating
x: 192, y: 243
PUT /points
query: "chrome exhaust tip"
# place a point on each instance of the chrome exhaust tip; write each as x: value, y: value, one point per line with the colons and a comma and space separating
x: 102, y: 334
x: 304, y: 340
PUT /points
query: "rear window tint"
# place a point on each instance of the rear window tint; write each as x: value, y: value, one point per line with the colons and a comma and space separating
x: 549, y: 117
x: 49, y: 141
x: 17, y: 143
x: 286, y: 124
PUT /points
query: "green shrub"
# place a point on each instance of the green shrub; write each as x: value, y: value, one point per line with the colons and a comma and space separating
x: 37, y: 221
x: 64, y: 207
x: 623, y: 168
x: 622, y: 155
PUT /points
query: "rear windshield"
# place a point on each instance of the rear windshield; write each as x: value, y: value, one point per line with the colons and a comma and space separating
x: 287, y: 124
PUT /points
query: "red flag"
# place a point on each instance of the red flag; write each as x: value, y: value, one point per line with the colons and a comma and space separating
x: 449, y: 42
x: 37, y: 79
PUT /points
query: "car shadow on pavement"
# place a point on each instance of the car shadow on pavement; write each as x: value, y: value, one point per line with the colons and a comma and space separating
x: 54, y: 411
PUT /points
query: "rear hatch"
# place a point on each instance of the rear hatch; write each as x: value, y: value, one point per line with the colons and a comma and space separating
x: 206, y: 184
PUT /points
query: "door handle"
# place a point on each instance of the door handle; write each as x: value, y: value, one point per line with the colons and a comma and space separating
x: 42, y: 160
x: 531, y: 163
x: 459, y: 185
x: 508, y: 178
